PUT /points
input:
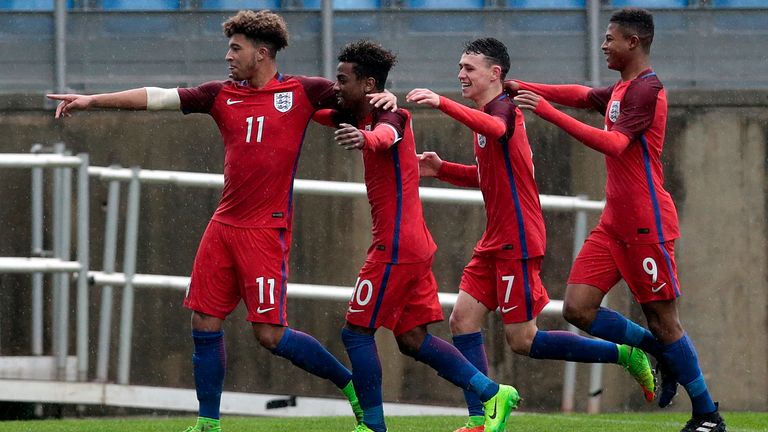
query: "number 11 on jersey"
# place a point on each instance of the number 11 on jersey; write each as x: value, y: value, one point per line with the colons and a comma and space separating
x: 260, y: 121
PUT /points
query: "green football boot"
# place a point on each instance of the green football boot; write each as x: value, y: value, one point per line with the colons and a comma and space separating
x: 349, y: 392
x: 474, y: 424
x: 498, y: 407
x: 205, y: 424
x: 361, y: 427
x: 635, y: 361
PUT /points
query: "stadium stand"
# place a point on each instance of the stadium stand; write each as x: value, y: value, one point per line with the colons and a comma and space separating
x: 650, y: 4
x: 30, y: 5
x: 446, y: 4
x: 546, y: 4
x: 239, y: 4
x: 345, y: 4
x: 140, y: 5
x: 740, y: 3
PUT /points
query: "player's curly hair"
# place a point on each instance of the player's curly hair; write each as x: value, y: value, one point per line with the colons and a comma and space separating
x: 635, y: 21
x: 494, y: 50
x: 263, y: 26
x: 370, y: 60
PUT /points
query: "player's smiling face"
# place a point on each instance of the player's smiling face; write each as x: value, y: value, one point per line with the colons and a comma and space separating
x: 243, y: 57
x: 350, y: 90
x: 616, y: 47
x: 475, y: 75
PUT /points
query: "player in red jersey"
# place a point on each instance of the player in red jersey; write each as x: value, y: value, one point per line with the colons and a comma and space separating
x: 635, y: 237
x: 395, y: 288
x: 504, y: 270
x: 243, y: 255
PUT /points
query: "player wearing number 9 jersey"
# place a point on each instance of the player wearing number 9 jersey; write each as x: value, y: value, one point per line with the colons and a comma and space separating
x: 504, y: 270
x: 635, y: 237
x: 262, y: 116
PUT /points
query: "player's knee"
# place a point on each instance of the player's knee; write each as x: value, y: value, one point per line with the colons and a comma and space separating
x: 410, y: 342
x: 666, y: 331
x: 267, y: 337
x: 519, y: 344
x: 460, y: 323
x: 576, y: 315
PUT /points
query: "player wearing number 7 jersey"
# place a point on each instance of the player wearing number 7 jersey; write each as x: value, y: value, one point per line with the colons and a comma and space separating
x: 635, y: 237
x: 262, y: 116
x: 504, y: 270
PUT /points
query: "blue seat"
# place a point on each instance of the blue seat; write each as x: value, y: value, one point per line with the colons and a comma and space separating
x: 740, y: 3
x: 239, y: 4
x: 142, y: 5
x: 446, y: 4
x: 546, y: 4
x: 345, y: 4
x: 30, y: 5
x: 650, y: 4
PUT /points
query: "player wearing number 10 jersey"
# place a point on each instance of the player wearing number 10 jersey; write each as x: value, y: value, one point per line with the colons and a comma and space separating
x: 243, y: 255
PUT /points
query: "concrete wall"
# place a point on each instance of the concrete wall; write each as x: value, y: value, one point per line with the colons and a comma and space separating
x: 715, y: 167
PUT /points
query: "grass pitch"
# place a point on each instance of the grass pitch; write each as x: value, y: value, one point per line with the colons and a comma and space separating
x: 653, y: 422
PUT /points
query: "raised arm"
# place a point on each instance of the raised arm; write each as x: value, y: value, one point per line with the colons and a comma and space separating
x: 478, y: 121
x: 152, y: 98
x: 611, y: 143
x: 572, y: 95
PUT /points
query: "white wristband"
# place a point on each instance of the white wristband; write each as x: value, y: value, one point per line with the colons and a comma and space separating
x: 162, y: 99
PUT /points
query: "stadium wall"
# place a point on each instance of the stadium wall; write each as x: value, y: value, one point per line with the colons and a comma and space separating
x: 715, y: 165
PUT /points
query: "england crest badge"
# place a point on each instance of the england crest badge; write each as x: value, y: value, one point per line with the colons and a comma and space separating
x: 481, y: 140
x: 283, y: 101
x: 613, y: 112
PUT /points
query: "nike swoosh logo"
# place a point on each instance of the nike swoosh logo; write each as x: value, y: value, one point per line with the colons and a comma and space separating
x: 350, y: 310
x: 493, y: 416
x: 657, y: 289
x: 261, y: 311
x: 505, y: 310
x: 232, y: 102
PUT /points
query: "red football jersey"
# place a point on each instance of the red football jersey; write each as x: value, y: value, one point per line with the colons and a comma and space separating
x: 638, y: 209
x: 400, y: 234
x: 263, y: 130
x: 515, y: 225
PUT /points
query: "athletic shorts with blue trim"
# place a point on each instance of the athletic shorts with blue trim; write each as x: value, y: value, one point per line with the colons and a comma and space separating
x: 399, y: 297
x: 649, y: 269
x: 235, y: 263
x: 512, y: 285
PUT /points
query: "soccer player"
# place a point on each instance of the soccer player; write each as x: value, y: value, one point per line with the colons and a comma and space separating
x: 243, y: 254
x: 635, y: 238
x: 504, y: 270
x: 395, y: 288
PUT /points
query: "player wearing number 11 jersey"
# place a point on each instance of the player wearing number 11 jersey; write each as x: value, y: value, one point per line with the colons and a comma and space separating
x: 262, y: 116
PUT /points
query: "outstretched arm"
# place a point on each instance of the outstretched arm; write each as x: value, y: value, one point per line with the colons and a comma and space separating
x: 152, y: 98
x: 430, y: 165
x: 478, y: 121
x: 571, y: 95
x: 611, y: 143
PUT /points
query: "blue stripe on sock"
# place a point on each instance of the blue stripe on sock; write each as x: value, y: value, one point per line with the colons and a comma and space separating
x: 683, y: 361
x: 366, y: 376
x: 564, y: 345
x: 307, y: 353
x: 483, y: 386
x: 209, y: 363
x: 472, y: 348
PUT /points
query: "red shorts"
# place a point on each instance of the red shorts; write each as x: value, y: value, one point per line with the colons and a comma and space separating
x: 649, y: 269
x: 241, y: 263
x: 399, y: 297
x: 513, y: 285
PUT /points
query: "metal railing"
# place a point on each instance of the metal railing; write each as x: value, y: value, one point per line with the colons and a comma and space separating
x: 59, y: 264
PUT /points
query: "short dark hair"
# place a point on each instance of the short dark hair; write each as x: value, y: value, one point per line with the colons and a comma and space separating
x: 493, y: 50
x: 635, y: 21
x: 263, y: 26
x: 370, y: 60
